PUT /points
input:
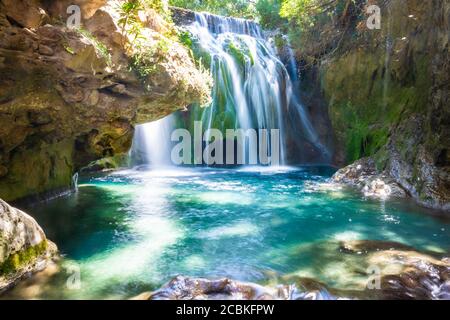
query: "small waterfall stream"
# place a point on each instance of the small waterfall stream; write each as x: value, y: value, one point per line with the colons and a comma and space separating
x: 151, y: 143
x: 252, y: 90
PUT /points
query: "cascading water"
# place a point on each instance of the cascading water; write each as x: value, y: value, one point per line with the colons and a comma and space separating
x: 252, y: 90
x: 151, y: 143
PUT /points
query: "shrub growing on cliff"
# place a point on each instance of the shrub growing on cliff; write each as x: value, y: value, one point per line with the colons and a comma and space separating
x: 317, y: 28
x: 152, y: 43
x: 144, y: 62
x: 143, y: 56
x: 129, y: 19
x: 99, y: 46
x: 234, y: 8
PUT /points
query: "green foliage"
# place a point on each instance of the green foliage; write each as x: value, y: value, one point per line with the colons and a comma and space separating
x: 157, y: 5
x: 144, y: 58
x: 266, y: 12
x: 240, y: 53
x: 236, y: 53
x: 305, y: 13
x: 198, y: 54
x: 129, y: 22
x: 185, y: 38
x: 269, y: 14
x: 145, y: 62
x: 280, y: 41
x: 234, y: 8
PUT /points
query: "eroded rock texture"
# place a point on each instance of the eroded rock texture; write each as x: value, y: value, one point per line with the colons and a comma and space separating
x: 68, y: 96
x: 387, y: 92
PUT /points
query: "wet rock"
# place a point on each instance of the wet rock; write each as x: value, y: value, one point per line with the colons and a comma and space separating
x: 417, y: 164
x: 363, y: 175
x: 405, y: 273
x: 24, y: 249
x: 3, y: 171
x: 412, y: 275
x: 107, y: 164
x: 183, y: 288
x: 387, y: 95
x: 119, y: 88
x: 368, y: 246
x: 39, y: 118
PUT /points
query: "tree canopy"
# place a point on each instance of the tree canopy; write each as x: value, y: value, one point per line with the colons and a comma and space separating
x: 235, y: 8
x: 270, y: 14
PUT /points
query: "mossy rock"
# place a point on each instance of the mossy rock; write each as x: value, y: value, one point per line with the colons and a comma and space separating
x: 22, y: 259
x: 109, y: 163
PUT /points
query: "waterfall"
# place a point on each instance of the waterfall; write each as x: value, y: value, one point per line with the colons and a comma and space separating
x: 252, y: 90
x: 151, y: 143
x: 75, y: 182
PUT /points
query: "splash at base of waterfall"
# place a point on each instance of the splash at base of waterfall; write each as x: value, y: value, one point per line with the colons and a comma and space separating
x: 152, y: 143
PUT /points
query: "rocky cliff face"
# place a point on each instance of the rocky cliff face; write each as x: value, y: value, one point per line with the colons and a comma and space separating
x: 387, y: 93
x: 23, y: 246
x: 69, y: 96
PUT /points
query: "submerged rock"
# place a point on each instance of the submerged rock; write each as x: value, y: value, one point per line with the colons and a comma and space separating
x: 370, y: 246
x: 24, y: 249
x: 412, y: 275
x: 404, y: 273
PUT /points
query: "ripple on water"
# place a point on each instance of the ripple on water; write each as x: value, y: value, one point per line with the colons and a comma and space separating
x: 134, y: 230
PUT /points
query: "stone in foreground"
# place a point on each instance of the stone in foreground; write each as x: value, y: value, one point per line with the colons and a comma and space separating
x: 24, y: 248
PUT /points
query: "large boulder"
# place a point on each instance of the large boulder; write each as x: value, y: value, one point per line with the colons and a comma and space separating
x: 24, y: 248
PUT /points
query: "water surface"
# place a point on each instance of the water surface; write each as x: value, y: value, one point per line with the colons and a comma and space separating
x: 134, y: 230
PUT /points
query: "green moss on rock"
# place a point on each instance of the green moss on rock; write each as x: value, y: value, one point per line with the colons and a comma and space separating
x: 47, y: 167
x: 367, y: 100
x: 22, y: 259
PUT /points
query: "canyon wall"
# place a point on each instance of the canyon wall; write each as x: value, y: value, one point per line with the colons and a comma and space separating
x: 387, y: 92
x: 71, y: 96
